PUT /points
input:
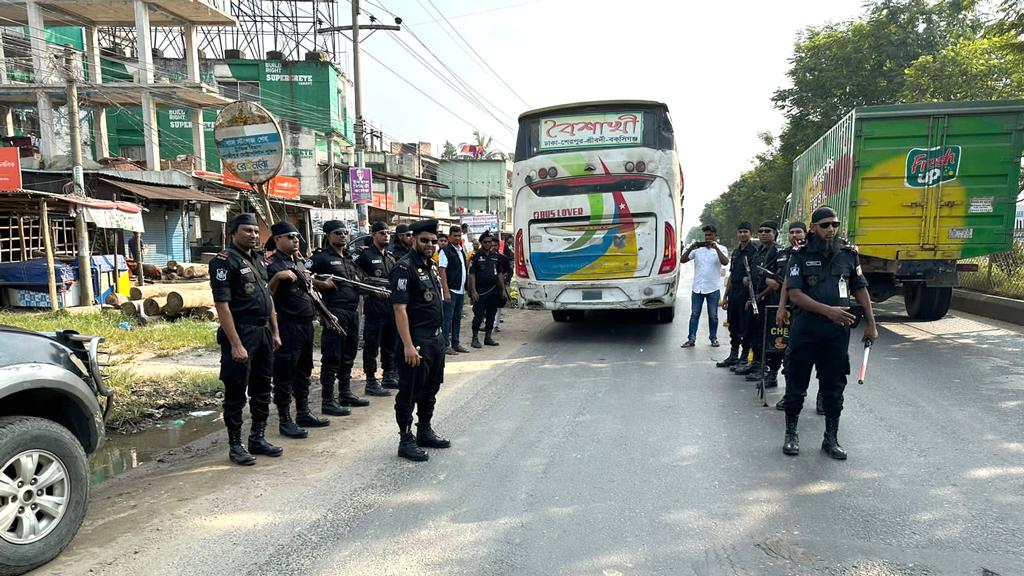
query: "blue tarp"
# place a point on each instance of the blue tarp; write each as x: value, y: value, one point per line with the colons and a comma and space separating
x: 33, y: 272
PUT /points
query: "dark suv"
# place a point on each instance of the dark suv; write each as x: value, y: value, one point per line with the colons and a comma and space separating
x: 50, y: 418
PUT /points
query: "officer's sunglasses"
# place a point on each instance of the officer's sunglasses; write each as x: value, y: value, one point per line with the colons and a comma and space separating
x: 428, y: 240
x: 765, y: 231
x: 829, y: 224
x: 292, y: 236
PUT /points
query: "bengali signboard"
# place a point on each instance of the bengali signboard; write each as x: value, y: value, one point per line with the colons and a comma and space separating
x: 249, y: 142
x: 318, y: 216
x: 10, y: 169
x: 589, y: 130
x: 478, y: 223
x: 360, y: 182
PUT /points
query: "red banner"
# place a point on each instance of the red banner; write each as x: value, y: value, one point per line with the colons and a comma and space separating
x: 282, y: 187
x: 10, y: 169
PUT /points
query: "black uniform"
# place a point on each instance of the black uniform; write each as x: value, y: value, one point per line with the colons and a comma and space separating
x: 241, y: 281
x: 414, y: 282
x: 778, y: 336
x: 816, y: 341
x: 293, y: 361
x: 765, y: 256
x: 738, y: 296
x: 338, y: 351
x: 379, y: 332
x: 485, y: 269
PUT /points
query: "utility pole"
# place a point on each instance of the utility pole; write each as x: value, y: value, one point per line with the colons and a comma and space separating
x: 362, y: 210
x: 81, y: 229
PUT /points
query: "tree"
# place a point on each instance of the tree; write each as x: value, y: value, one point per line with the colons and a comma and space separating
x: 970, y: 69
x: 694, y: 235
x: 449, y: 151
x: 1011, y: 24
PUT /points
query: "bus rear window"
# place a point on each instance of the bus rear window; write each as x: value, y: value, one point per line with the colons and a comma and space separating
x: 593, y: 185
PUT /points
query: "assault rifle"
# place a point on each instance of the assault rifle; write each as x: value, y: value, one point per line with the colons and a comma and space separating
x: 327, y: 319
x: 373, y: 286
x: 750, y: 285
x: 770, y: 274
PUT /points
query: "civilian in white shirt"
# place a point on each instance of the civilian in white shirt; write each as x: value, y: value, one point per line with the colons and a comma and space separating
x: 708, y: 258
x: 451, y: 262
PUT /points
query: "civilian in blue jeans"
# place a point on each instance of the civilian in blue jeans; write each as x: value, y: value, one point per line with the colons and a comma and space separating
x: 451, y: 262
x: 708, y: 258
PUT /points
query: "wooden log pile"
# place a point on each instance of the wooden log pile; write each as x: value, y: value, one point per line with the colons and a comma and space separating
x: 183, y: 292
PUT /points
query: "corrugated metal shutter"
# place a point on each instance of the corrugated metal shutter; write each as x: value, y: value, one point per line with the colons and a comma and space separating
x: 164, y: 234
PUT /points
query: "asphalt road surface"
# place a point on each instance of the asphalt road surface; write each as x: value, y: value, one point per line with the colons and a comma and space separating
x: 603, y: 448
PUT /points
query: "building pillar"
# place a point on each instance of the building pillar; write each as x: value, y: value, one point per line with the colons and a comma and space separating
x: 192, y: 68
x: 144, y: 46
x: 43, y: 67
x: 6, y: 118
x: 101, y: 145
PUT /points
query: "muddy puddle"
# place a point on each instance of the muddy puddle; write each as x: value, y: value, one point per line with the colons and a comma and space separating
x: 124, y: 452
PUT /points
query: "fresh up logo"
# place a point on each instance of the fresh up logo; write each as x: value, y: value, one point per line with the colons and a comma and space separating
x: 931, y: 166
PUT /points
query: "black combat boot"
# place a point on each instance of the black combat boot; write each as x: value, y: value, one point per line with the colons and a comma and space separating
x: 752, y: 368
x: 258, y: 442
x: 346, y: 397
x: 734, y: 357
x: 237, y: 452
x: 771, y: 379
x: 426, y: 438
x: 792, y: 445
x: 781, y: 404
x: 373, y: 387
x: 390, y: 379
x: 328, y: 405
x: 488, y: 340
x: 476, y: 340
x: 286, y: 426
x: 830, y: 444
x: 408, y: 449
x: 741, y: 361
x: 819, y: 404
x: 303, y: 416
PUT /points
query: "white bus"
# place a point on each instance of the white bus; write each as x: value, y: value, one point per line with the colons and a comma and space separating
x: 596, y: 208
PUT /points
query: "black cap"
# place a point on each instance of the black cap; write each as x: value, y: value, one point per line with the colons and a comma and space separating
x: 424, y: 226
x: 745, y: 226
x: 770, y: 224
x: 243, y: 219
x: 332, y: 225
x: 822, y: 213
x: 283, y: 227
x: 486, y: 236
x: 798, y: 224
x: 378, y: 226
x: 401, y: 229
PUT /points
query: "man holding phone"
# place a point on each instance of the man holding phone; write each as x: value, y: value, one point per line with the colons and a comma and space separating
x: 708, y: 258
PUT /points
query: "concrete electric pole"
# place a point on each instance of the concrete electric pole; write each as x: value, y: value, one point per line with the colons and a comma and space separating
x: 78, y: 179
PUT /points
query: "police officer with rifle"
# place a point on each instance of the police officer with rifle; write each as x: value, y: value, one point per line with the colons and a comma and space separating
x: 376, y: 263
x: 297, y: 304
x: 765, y: 293
x: 736, y: 297
x: 821, y: 279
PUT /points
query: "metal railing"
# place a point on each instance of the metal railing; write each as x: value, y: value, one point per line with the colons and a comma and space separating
x: 999, y: 274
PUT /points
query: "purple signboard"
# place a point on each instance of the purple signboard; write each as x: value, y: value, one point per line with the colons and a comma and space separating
x: 360, y: 181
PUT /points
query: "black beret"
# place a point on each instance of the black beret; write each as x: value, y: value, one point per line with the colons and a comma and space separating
x: 283, y: 227
x: 770, y: 224
x: 401, y: 229
x: 243, y: 219
x: 424, y: 226
x: 332, y: 225
x: 744, y: 226
x: 378, y: 226
x: 822, y: 213
x: 798, y: 224
x: 486, y: 236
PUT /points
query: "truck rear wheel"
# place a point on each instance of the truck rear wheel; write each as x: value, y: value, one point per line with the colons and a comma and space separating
x: 926, y: 302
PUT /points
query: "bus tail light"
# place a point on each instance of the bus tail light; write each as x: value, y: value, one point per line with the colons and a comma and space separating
x: 641, y: 166
x: 543, y: 173
x: 552, y: 172
x: 628, y: 166
x: 669, y: 257
x: 520, y: 256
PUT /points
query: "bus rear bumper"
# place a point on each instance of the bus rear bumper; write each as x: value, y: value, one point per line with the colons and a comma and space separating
x: 639, y: 294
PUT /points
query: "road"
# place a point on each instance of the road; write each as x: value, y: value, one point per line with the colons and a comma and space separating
x: 603, y: 448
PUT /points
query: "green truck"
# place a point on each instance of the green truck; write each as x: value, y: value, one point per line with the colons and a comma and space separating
x: 917, y: 188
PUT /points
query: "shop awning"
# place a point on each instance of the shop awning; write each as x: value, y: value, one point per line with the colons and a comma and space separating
x: 151, y: 192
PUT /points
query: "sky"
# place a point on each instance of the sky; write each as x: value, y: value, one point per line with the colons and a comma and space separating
x: 716, y: 65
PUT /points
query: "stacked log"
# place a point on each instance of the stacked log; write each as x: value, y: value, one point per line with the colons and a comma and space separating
x: 181, y: 301
x: 171, y: 300
x: 116, y: 300
x: 154, y: 305
x: 196, y: 271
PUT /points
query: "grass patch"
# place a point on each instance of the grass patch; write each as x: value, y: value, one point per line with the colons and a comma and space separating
x: 994, y: 281
x: 162, y: 339
x: 139, y: 400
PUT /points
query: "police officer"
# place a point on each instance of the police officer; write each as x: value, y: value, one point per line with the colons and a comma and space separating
x: 338, y: 350
x: 766, y: 293
x: 821, y: 278
x: 376, y: 262
x: 487, y: 274
x: 247, y: 336
x: 416, y: 291
x: 401, y: 241
x: 796, y: 235
x: 736, y: 296
x: 293, y: 361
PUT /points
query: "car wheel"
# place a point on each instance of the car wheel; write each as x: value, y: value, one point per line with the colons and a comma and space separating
x: 44, y: 491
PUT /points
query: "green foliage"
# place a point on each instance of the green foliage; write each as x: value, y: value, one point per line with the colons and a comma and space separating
x: 1010, y: 263
x: 449, y: 151
x: 1011, y: 24
x: 898, y: 51
x: 694, y: 235
x: 139, y: 398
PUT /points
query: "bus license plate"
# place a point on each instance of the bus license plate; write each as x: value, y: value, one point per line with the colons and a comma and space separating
x: 961, y: 233
x: 591, y: 294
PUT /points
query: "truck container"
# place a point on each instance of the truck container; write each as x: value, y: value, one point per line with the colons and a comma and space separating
x: 917, y: 187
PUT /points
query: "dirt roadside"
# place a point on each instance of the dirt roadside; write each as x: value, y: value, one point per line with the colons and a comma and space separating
x: 142, y: 512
